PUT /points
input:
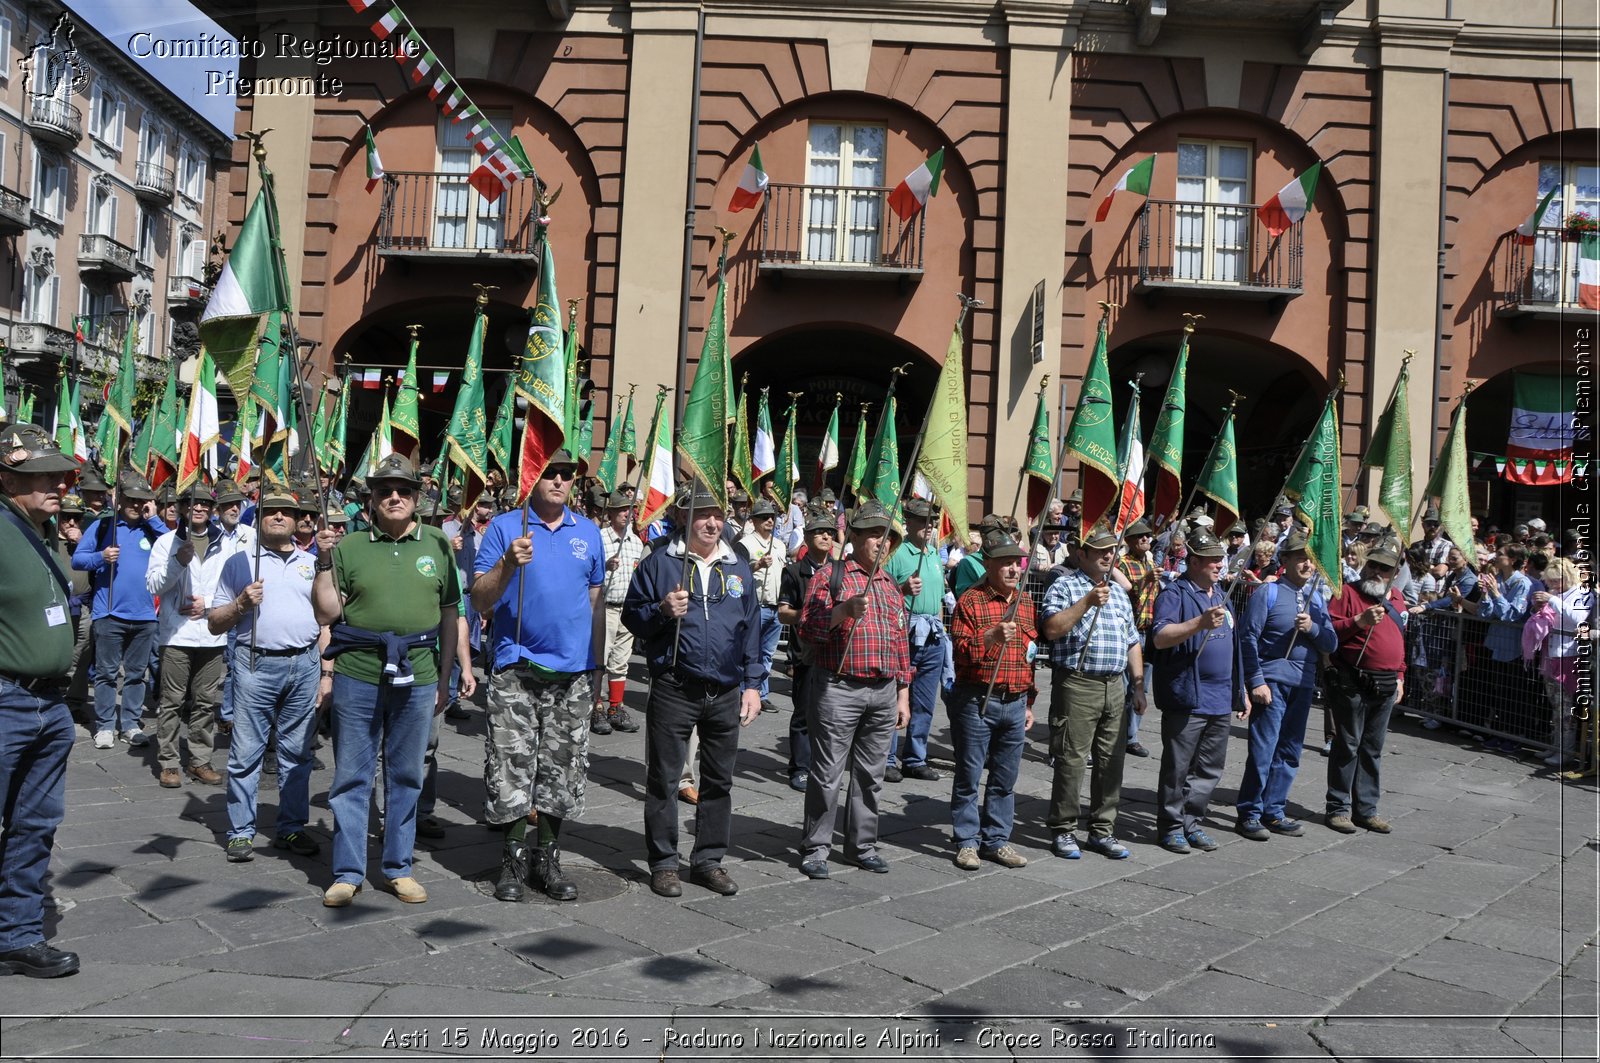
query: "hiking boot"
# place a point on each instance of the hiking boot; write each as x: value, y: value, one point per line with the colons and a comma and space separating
x: 407, y: 889
x: 513, y: 870
x: 967, y: 859
x: 171, y: 778
x: 298, y: 842
x: 205, y: 773
x: 547, y: 877
x: 240, y: 850
x: 620, y: 720
x: 1005, y: 856
x: 599, y: 722
x: 340, y: 894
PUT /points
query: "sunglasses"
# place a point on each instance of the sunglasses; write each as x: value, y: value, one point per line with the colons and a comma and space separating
x: 1380, y: 568
x: 279, y: 511
x: 565, y: 472
x: 385, y: 492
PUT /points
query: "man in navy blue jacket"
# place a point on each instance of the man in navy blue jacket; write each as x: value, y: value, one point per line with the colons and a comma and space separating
x: 692, y: 604
x: 1286, y: 627
x: 1199, y: 681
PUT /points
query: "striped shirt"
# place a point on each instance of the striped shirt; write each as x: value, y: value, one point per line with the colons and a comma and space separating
x: 1114, y: 633
x: 630, y: 550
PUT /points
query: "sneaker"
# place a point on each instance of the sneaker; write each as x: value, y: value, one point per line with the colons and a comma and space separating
x: 513, y: 870
x: 1251, y: 827
x: 1430, y: 724
x: 1174, y: 842
x: 104, y: 739
x: 240, y: 850
x: 920, y: 771
x: 171, y: 778
x: 715, y: 879
x: 428, y: 827
x: 967, y: 859
x: 406, y: 889
x: 1376, y: 824
x: 1201, y: 840
x: 38, y: 960
x: 620, y: 720
x: 1107, y: 846
x: 1341, y: 823
x: 135, y: 737
x: 340, y: 894
x: 1289, y: 828
x: 599, y: 722
x: 298, y: 842
x: 1005, y: 856
x: 1065, y: 845
x: 815, y: 869
x: 1137, y: 750
x: 767, y: 706
x: 799, y: 781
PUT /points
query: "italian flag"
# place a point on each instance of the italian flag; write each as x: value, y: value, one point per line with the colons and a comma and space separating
x: 451, y: 103
x: 69, y: 432
x: 493, y: 175
x: 1589, y: 271
x: 371, y: 377
x: 763, y: 455
x: 1136, y: 180
x: 828, y: 456
x: 1130, y: 463
x: 912, y: 194
x: 388, y: 24
x: 362, y: 5
x: 204, y: 426
x: 1291, y: 203
x: 661, y: 483
x: 440, y: 83
x: 440, y: 380
x: 751, y: 184
x: 1527, y: 234
x: 382, y: 438
x: 424, y: 65
x: 1541, y: 420
x: 374, y: 163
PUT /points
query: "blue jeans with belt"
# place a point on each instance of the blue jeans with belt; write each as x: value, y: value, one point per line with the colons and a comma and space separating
x: 35, y: 738
x: 272, y: 692
x: 365, y: 716
x: 927, y: 665
x: 121, y: 646
x: 992, y: 740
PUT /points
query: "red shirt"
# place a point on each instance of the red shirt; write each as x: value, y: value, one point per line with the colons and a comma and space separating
x: 979, y: 609
x: 1385, y: 643
x: 879, y: 649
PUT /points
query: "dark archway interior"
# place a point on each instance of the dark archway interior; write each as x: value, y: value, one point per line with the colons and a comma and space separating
x: 1502, y: 502
x: 1282, y: 397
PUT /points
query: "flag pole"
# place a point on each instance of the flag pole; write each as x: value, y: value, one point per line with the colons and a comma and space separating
x: 845, y: 482
x: 1227, y: 415
x: 1150, y: 458
x: 1016, y: 499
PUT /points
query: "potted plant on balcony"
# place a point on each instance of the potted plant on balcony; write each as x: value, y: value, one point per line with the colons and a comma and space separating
x: 1579, y: 223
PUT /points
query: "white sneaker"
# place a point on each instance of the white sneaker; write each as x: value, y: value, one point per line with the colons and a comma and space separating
x: 135, y: 737
x: 104, y: 739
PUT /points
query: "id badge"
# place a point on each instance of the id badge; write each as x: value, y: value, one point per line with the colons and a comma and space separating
x: 55, y: 615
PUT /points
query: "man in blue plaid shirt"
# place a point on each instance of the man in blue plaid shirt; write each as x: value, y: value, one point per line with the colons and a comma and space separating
x: 1097, y: 646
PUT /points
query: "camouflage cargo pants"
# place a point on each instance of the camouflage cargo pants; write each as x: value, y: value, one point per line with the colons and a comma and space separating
x: 536, y: 751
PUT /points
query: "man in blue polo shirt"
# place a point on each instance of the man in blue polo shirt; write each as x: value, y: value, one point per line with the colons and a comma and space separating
x: 542, y: 577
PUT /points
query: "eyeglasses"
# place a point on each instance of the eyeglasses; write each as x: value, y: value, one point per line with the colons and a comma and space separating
x: 393, y: 489
x: 1380, y: 568
x: 564, y: 472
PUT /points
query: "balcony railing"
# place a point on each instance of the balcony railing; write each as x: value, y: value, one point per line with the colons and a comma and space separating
x: 440, y: 215
x: 838, y: 229
x: 189, y: 293
x: 1538, y: 279
x: 37, y: 338
x: 1222, y: 249
x: 101, y: 254
x: 151, y: 181
x: 55, y: 120
x: 14, y: 217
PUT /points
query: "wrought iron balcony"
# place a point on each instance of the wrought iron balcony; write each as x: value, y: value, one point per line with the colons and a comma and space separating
x: 1220, y: 249
x: 103, y: 255
x: 1538, y: 279
x: 440, y: 216
x: 838, y: 230
x: 55, y: 120
x: 153, y: 182
x: 14, y: 217
x: 187, y: 293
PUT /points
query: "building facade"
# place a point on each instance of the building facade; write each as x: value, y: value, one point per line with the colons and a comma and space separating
x: 1439, y: 125
x: 108, y: 187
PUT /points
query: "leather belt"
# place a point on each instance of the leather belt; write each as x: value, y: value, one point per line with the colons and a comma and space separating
x: 35, y: 684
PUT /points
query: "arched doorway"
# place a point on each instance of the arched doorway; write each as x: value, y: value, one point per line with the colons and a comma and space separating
x: 1282, y: 397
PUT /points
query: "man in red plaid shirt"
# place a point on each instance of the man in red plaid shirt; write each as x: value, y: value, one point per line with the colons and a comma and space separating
x: 855, y: 619
x: 993, y: 633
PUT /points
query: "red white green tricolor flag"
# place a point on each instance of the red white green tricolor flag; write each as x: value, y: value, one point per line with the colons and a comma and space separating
x: 912, y: 194
x: 1527, y: 234
x: 1136, y: 180
x: 374, y: 163
x: 1541, y: 427
x: 1589, y: 271
x: 828, y: 456
x: 752, y: 184
x: 1291, y: 202
x: 659, y: 489
x: 204, y: 425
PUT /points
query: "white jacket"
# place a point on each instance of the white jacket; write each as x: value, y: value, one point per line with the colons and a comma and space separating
x: 769, y: 579
x: 174, y: 584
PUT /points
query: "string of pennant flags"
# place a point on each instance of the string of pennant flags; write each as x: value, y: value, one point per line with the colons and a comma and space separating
x: 1529, y: 470
x: 504, y: 160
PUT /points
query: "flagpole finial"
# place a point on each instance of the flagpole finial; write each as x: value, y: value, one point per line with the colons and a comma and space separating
x: 572, y: 307
x: 259, y: 150
x: 901, y: 370
x: 838, y: 397
x: 662, y: 389
x: 794, y: 396
x: 744, y: 379
x: 1044, y: 382
x: 1408, y: 354
x: 483, y: 292
x: 1190, y: 319
x: 1233, y: 399
x: 413, y: 329
x: 1106, y: 308
x: 632, y: 388
x: 726, y: 234
x: 1467, y: 388
x: 1138, y: 378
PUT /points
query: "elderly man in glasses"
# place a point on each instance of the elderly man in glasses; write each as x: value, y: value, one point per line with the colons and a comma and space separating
x: 541, y: 571
x: 1364, y: 681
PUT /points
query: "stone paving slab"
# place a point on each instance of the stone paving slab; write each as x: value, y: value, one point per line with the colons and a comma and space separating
x: 783, y: 952
x: 1403, y: 997
x: 1386, y: 927
x: 1462, y: 963
x: 1185, y: 944
x: 1216, y: 995
x: 874, y: 927
x: 482, y: 965
x: 1126, y: 972
x: 1307, y: 964
x: 1049, y: 923
x: 954, y: 958
x: 1351, y: 1040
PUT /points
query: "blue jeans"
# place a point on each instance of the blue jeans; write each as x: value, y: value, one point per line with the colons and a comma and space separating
x: 228, y: 657
x: 927, y: 666
x: 992, y: 740
x: 35, y: 738
x: 278, y: 692
x: 1277, y: 734
x: 771, y: 630
x: 366, y: 715
x: 118, y: 645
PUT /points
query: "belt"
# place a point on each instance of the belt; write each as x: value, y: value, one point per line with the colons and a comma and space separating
x: 293, y: 652
x: 695, y: 685
x: 859, y: 681
x: 1106, y: 678
x: 35, y: 684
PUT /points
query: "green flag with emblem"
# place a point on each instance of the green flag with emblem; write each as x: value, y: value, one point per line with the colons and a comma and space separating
x: 403, y: 418
x: 743, y: 471
x: 502, y: 437
x: 1166, y: 447
x: 703, y: 435
x: 786, y: 474
x: 882, y: 478
x: 858, y: 456
x: 1390, y: 450
x: 1219, y: 480
x: 607, y: 472
x: 1092, y: 436
x: 1448, y: 483
x: 628, y: 444
x: 467, y: 435
x: 1039, y: 467
x: 1313, y: 487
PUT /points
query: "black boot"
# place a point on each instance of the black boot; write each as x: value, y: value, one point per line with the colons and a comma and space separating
x: 547, y: 876
x: 513, y: 869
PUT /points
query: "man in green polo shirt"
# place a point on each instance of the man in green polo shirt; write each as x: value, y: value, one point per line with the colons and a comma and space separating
x: 390, y: 595
x: 916, y: 570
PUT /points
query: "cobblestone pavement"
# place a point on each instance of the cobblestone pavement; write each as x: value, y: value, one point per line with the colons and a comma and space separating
x: 1468, y: 933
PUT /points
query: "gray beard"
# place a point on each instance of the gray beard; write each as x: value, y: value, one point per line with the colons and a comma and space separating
x: 1374, y: 588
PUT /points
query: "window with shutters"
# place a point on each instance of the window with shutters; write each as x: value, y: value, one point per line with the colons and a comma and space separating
x: 1554, y: 276
x: 102, y: 219
x: 191, y: 174
x: 107, y: 114
x: 1211, y: 223
x: 462, y: 219
x: 145, y: 244
x: 40, y: 295
x: 844, y: 192
x: 49, y: 185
